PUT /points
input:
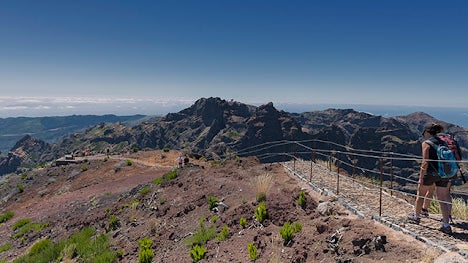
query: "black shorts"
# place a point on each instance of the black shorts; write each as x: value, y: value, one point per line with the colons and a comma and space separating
x: 430, y: 179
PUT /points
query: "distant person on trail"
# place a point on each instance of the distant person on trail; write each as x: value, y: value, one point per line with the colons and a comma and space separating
x: 428, y: 176
x: 180, y: 161
x: 186, y: 160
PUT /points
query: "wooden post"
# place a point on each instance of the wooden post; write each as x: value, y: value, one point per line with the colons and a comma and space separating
x: 294, y: 156
x: 381, y: 179
x: 391, y: 174
x: 338, y: 176
x: 311, y: 166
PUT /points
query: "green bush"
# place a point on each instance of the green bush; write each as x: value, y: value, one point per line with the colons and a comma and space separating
x: 83, y: 246
x: 252, y: 251
x: 129, y: 162
x: 243, y: 222
x: 301, y: 201
x: 7, y: 216
x: 20, y: 223
x: 202, y: 234
x: 166, y: 149
x: 214, y: 219
x: 287, y: 231
x: 145, y: 190
x: 24, y: 175
x: 84, y: 168
x: 5, y: 247
x: 197, y: 253
x: 135, y: 149
x: 146, y: 252
x: 213, y: 202
x: 224, y: 235
x: 168, y: 176
x: 24, y: 229
x: 114, y: 223
x: 261, y: 213
x: 20, y: 187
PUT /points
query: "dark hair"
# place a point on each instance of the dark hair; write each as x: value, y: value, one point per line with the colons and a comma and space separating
x: 433, y: 129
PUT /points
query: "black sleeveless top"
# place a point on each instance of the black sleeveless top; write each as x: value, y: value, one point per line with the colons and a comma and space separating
x: 433, y: 165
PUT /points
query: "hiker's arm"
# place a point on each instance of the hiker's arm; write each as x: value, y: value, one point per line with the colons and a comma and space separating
x: 425, y: 161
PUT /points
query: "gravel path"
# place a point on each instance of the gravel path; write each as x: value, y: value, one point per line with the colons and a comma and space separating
x: 364, y: 200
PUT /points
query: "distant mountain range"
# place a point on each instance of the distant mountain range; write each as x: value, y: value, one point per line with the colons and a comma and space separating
x: 51, y: 129
x: 214, y: 128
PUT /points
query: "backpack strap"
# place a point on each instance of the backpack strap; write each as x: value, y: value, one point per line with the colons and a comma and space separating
x: 431, y: 143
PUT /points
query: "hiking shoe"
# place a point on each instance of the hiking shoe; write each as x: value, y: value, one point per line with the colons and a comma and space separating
x: 413, y: 219
x: 450, y: 220
x: 446, y: 230
x: 424, y: 212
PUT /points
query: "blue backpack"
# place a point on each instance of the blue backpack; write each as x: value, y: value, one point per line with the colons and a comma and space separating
x: 447, y: 162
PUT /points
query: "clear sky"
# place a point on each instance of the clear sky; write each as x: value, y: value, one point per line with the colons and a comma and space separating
x: 338, y: 52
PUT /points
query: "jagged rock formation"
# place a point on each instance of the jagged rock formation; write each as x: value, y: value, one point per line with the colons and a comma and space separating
x: 215, y: 128
x: 28, y: 152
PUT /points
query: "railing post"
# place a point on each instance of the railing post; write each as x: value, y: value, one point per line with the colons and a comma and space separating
x: 338, y: 176
x: 311, y: 166
x: 381, y: 179
x: 294, y: 156
x: 354, y: 166
x: 391, y: 174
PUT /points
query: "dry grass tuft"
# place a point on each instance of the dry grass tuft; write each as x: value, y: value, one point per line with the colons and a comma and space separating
x: 262, y: 184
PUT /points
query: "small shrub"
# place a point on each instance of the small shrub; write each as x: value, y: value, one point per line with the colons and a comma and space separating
x: 20, y: 223
x: 5, y: 247
x: 243, y: 222
x: 168, y: 176
x: 252, y: 251
x: 114, y: 223
x: 214, y: 219
x: 261, y: 213
x: 105, y: 159
x: 287, y: 231
x: 26, y: 227
x: 301, y: 201
x: 84, y: 168
x: 297, y: 227
x: 129, y: 162
x: 20, y: 187
x: 146, y: 252
x: 224, y: 235
x: 135, y: 149
x: 166, y: 149
x: 145, y: 190
x: 197, y: 253
x: 213, y: 202
x: 162, y: 201
x: 202, y: 234
x: 24, y: 175
x: 7, y: 216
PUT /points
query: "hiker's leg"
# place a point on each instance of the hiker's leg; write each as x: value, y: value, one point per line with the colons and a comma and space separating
x: 429, y: 196
x: 443, y: 195
x: 422, y: 191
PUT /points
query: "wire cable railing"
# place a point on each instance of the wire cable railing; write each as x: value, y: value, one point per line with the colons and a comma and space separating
x: 345, y: 156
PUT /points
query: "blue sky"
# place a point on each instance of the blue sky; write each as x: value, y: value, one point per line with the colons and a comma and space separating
x: 313, y: 52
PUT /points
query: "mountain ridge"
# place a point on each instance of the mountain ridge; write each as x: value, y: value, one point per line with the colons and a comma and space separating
x: 213, y: 128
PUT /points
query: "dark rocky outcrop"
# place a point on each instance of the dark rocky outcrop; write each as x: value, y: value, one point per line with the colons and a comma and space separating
x: 215, y: 128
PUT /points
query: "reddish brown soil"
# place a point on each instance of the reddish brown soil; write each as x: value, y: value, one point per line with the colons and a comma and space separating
x: 69, y: 198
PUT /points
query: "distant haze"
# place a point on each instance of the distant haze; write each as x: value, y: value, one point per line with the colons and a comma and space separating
x: 50, y: 106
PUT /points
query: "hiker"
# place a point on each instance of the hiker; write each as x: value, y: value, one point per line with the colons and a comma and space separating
x: 180, y: 161
x: 428, y: 176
